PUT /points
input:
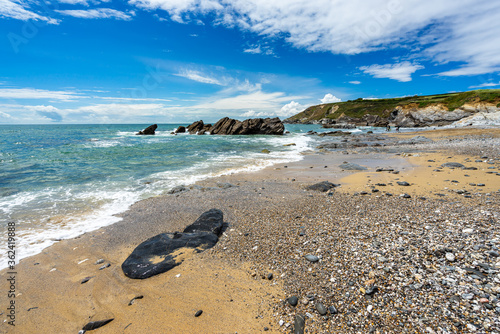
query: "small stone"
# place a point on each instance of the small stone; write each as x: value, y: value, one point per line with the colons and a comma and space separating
x: 471, y: 327
x: 293, y: 300
x: 468, y: 296
x: 450, y: 257
x: 270, y: 276
x: 300, y: 324
x: 105, y: 266
x: 467, y: 230
x: 321, y: 308
x: 304, y: 301
x: 99, y: 261
x: 403, y: 183
x: 198, y: 313
x: 484, y: 300
x: 371, y: 290
x: 312, y: 258
x: 405, y: 195
x: 333, y: 310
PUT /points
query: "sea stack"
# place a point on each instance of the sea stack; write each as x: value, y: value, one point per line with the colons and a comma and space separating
x: 150, y: 130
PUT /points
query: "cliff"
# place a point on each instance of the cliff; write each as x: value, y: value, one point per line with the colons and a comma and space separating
x: 414, y: 111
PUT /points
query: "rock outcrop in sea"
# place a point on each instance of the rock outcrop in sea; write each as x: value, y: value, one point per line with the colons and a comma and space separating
x: 229, y: 126
x: 167, y: 250
x: 150, y: 130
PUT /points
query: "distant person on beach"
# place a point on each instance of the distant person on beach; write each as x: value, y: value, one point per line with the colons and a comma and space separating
x: 388, y: 128
x: 397, y: 128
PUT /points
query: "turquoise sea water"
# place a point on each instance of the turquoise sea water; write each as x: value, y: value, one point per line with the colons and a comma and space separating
x: 59, y: 181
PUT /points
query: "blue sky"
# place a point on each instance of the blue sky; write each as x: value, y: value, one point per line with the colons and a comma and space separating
x: 178, y: 61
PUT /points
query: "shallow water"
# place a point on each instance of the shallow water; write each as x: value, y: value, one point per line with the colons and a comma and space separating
x: 59, y: 181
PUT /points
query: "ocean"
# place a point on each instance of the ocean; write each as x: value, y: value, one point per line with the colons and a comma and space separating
x: 60, y: 181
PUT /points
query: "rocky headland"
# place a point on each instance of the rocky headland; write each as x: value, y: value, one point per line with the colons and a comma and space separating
x: 415, y: 111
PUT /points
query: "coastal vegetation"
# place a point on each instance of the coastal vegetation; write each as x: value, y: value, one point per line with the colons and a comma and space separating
x: 383, y: 107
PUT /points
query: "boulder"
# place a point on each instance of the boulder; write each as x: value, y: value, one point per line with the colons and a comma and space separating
x: 167, y: 250
x: 195, y: 127
x: 180, y: 129
x: 253, y: 126
x: 150, y: 130
x: 322, y: 186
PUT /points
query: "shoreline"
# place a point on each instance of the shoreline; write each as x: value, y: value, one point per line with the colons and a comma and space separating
x: 262, y: 209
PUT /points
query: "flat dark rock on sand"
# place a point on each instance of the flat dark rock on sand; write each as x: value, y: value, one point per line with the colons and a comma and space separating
x: 322, y: 186
x: 162, y: 252
x: 452, y: 165
x: 352, y: 166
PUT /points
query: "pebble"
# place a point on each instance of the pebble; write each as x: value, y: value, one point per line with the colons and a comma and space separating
x: 293, y: 300
x: 312, y: 258
x: 198, y: 313
x: 450, y: 257
x: 321, y: 308
x: 403, y: 183
x: 332, y: 310
x: 300, y: 324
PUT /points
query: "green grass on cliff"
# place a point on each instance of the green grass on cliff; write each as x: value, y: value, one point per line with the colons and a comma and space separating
x: 383, y: 107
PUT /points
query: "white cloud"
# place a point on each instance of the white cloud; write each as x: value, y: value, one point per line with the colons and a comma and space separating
x: 16, y: 10
x: 258, y: 49
x: 42, y: 108
x: 401, y: 71
x: 4, y: 115
x: 291, y: 109
x: 31, y: 93
x: 99, y: 13
x: 259, y: 101
x: 199, y: 77
x: 355, y: 82
x: 486, y: 84
x: 444, y: 31
x: 329, y: 98
x: 253, y: 113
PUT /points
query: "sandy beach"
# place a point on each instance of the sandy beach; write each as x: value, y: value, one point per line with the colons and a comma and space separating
x: 391, y: 257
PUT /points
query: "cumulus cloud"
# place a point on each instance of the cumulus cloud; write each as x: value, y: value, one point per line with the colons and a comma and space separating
x: 329, y: 98
x: 444, y: 31
x: 401, y: 71
x: 355, y: 82
x: 99, y: 13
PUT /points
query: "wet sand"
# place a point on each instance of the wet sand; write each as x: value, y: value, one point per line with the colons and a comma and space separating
x: 266, y: 212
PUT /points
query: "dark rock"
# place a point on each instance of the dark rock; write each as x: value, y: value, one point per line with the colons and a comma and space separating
x: 253, y: 126
x: 300, y: 324
x: 209, y: 221
x: 405, y: 196
x: 293, y: 301
x: 385, y: 169
x: 403, y: 183
x: 150, y: 130
x: 321, y: 308
x: 270, y: 276
x: 157, y: 254
x: 177, y: 190
x: 333, y: 310
x: 180, y: 129
x: 86, y: 279
x: 351, y: 166
x: 198, y: 313
x: 96, y: 324
x: 133, y: 299
x: 195, y: 127
x: 452, y: 165
x: 322, y: 186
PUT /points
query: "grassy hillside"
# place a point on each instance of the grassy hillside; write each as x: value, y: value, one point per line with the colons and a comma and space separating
x: 383, y: 107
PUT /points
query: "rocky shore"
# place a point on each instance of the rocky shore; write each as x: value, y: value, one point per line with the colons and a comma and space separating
x: 403, y: 239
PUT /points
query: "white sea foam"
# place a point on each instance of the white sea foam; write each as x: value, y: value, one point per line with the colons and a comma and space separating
x: 108, y: 202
